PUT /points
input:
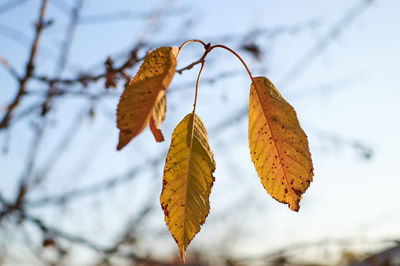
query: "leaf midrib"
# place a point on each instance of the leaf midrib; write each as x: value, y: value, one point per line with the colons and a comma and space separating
x: 187, y: 177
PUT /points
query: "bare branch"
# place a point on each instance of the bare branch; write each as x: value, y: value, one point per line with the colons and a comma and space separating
x: 40, y: 25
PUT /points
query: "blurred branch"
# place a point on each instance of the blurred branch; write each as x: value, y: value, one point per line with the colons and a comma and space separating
x: 40, y: 25
x: 57, y: 85
x: 30, y: 110
x: 96, y: 188
x: 10, y: 5
x: 85, y: 79
x: 107, y: 251
x: 114, y: 94
x: 63, y: 6
x: 32, y: 155
x: 322, y: 43
x: 9, y: 67
x: 14, y: 35
x: 153, y: 19
x: 326, y: 88
x: 301, y: 246
x: 305, y: 62
x: 364, y: 150
x: 128, y: 236
x: 387, y: 257
x: 61, y: 146
x: 268, y: 33
x: 85, y: 242
x: 69, y: 36
x: 123, y: 15
x: 64, y: 52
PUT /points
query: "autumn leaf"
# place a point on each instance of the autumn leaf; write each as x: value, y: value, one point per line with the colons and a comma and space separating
x: 158, y: 116
x: 278, y: 146
x: 187, y: 182
x: 140, y: 97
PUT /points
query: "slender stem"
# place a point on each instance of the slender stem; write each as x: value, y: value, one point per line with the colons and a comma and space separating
x: 197, y: 89
x: 191, y: 144
x: 194, y: 114
x: 208, y: 48
x: 238, y: 56
x: 190, y: 41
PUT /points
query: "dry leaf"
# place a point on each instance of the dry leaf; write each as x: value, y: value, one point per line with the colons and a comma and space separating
x: 139, y: 99
x: 278, y: 145
x: 187, y: 182
x: 158, y: 117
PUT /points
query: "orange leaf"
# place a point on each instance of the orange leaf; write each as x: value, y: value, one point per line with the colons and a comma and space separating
x: 157, y: 133
x: 158, y: 117
x: 139, y: 99
x: 278, y: 146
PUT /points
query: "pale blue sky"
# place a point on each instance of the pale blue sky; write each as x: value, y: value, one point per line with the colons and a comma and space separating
x: 350, y: 197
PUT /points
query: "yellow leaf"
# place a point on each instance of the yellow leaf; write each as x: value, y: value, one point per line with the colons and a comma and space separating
x: 187, y: 182
x: 158, y: 116
x: 139, y: 99
x: 278, y: 146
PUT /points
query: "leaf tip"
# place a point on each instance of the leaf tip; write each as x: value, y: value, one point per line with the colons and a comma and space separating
x: 157, y: 133
x: 183, y: 254
x: 294, y: 207
x: 120, y: 146
x: 125, y: 136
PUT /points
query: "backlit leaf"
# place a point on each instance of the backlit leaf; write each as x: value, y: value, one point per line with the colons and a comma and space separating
x: 139, y: 99
x: 278, y: 145
x: 158, y: 116
x: 187, y: 182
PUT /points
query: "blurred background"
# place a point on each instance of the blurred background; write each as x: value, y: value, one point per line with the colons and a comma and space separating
x: 67, y: 197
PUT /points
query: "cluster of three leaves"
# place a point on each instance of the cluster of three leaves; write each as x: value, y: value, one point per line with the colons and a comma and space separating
x: 278, y: 145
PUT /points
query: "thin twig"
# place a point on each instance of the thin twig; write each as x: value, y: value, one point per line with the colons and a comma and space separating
x: 9, y: 67
x: 69, y: 37
x: 64, y: 52
x: 40, y: 25
x: 86, y: 79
